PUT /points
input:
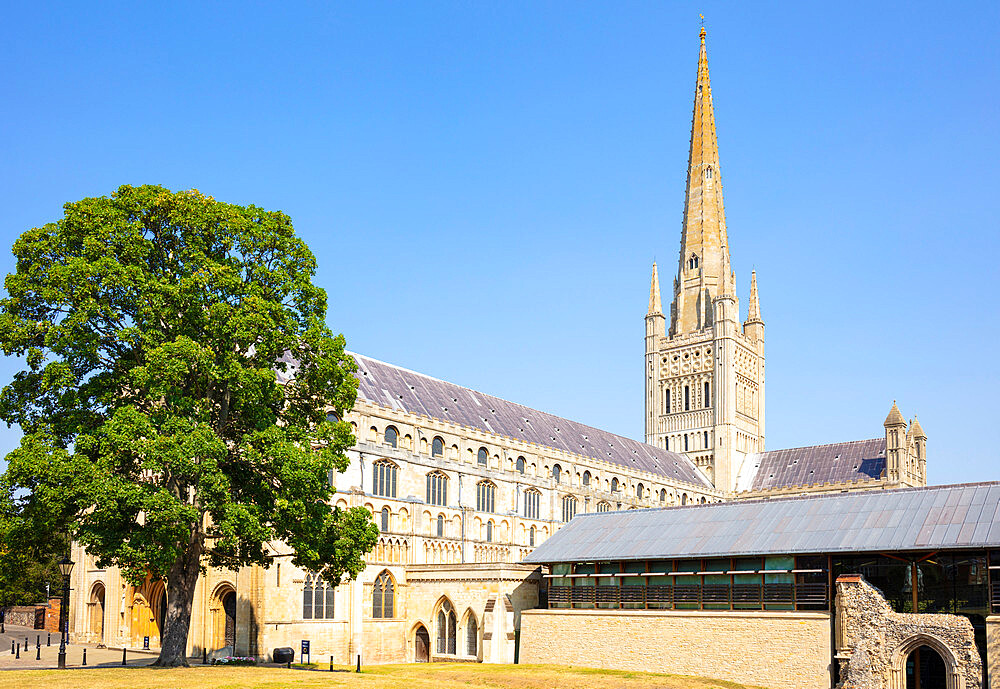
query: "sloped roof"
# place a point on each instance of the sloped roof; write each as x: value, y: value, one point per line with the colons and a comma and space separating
x: 394, y: 387
x: 800, y: 466
x: 955, y: 516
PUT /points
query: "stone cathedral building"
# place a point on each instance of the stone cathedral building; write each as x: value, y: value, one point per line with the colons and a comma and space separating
x: 465, y: 485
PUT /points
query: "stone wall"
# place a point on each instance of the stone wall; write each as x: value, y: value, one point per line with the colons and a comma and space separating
x: 31, y: 616
x: 873, y: 641
x: 770, y: 649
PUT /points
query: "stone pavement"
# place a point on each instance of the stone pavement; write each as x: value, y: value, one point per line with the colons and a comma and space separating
x: 96, y: 657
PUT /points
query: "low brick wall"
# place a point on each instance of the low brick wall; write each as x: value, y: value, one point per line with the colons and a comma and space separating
x: 52, y: 614
x: 770, y: 649
x: 26, y: 616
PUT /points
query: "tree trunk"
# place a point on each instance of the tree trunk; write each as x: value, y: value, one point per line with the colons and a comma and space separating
x: 181, y: 581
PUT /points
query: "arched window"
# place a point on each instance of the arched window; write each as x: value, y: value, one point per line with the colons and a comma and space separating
x: 317, y: 598
x: 486, y: 493
x: 708, y: 172
x: 483, y: 458
x: 440, y: 525
x: 614, y: 485
x: 437, y: 488
x: 708, y: 398
x: 556, y: 472
x: 663, y: 495
x: 568, y: 507
x: 331, y: 416
x: 638, y: 490
x: 685, y: 442
x: 385, y: 519
x: 384, y: 478
x: 391, y: 436
x: 706, y: 440
x: 586, y: 478
x: 520, y: 465
x: 687, y: 397
x: 667, y: 405
x: 531, y: 536
x: 532, y: 499
x: 446, y: 624
x: 603, y: 506
x: 472, y: 636
x: 684, y: 499
x: 489, y: 531
x: 437, y: 447
x: 382, y: 596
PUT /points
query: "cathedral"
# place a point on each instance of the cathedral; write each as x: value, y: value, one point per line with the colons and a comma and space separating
x: 464, y: 485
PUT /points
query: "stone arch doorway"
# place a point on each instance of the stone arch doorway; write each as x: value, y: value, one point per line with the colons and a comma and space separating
x: 924, y: 661
x: 421, y: 645
x: 96, y: 626
x: 224, y: 618
x: 147, y: 613
x: 925, y: 669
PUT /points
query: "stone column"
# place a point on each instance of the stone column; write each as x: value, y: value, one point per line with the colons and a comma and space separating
x: 993, y: 650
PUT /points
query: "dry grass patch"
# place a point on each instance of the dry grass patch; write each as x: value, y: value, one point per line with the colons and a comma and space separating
x: 413, y: 676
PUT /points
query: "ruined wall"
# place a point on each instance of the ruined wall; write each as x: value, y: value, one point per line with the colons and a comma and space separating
x: 873, y: 641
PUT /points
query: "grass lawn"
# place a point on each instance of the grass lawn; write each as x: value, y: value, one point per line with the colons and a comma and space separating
x: 414, y: 676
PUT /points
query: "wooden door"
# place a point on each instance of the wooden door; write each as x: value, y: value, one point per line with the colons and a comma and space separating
x: 229, y: 608
x: 423, y: 645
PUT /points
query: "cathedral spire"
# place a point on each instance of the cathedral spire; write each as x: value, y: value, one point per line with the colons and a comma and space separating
x: 654, y: 293
x: 704, y: 270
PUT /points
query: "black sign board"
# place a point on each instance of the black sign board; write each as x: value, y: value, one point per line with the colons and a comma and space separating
x: 145, y: 643
x: 305, y: 651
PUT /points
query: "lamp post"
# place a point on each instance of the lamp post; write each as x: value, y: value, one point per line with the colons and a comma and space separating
x: 65, y: 567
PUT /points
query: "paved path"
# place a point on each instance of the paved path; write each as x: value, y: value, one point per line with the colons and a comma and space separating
x: 96, y: 657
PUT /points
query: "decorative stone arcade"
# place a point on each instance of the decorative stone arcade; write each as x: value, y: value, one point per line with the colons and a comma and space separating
x: 874, y: 643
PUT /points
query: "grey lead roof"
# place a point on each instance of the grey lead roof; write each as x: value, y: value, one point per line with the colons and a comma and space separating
x: 931, y: 518
x: 390, y: 386
x: 800, y: 466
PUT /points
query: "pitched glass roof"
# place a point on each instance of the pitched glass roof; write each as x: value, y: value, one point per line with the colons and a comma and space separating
x: 931, y: 518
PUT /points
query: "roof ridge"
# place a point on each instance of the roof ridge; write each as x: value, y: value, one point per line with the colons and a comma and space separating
x: 803, y: 447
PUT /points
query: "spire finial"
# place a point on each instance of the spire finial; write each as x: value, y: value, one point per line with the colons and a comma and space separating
x: 702, y: 32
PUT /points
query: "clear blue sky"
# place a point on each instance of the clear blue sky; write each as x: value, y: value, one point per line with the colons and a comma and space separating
x: 485, y: 185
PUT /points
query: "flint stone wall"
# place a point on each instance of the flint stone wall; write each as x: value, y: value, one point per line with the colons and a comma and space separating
x: 873, y: 641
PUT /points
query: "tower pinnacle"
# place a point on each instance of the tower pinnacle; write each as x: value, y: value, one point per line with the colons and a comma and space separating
x: 654, y: 293
x: 754, y: 302
x: 704, y: 270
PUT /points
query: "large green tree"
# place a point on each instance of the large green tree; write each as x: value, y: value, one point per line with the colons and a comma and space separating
x: 157, y: 329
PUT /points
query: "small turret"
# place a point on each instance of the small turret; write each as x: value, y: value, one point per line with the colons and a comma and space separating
x: 920, y: 448
x: 753, y: 326
x: 895, y: 444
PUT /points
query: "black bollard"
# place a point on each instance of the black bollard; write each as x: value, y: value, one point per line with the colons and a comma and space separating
x: 85, y: 656
x: 359, y: 663
x: 38, y: 640
x: 12, y: 647
x: 123, y: 655
x: 331, y: 663
x: 48, y: 641
x: 289, y: 665
x: 26, y: 644
x: 38, y: 653
x: 204, y: 656
x: 18, y: 651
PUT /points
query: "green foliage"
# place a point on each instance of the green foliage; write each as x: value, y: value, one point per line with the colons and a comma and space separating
x: 30, y: 547
x: 152, y: 325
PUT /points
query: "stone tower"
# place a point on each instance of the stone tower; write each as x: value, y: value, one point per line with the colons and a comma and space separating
x: 705, y: 374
